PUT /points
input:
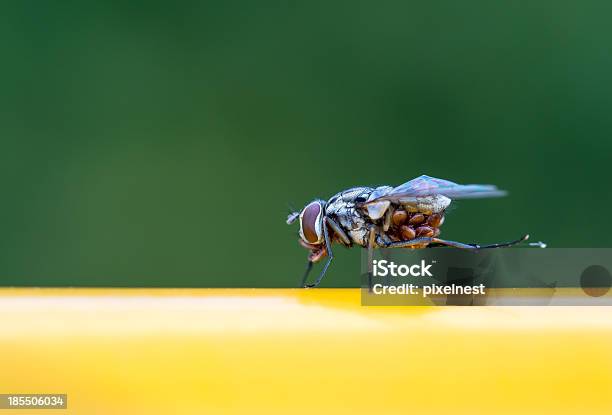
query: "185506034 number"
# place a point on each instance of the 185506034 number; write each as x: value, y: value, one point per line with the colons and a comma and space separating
x: 33, y: 400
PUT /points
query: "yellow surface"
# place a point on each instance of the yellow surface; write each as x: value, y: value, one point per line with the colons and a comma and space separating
x: 249, y: 351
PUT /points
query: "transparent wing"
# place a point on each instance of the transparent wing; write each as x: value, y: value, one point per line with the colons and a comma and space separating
x: 429, y: 186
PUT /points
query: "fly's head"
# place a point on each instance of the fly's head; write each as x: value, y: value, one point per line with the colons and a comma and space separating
x: 311, y: 223
x: 311, y: 227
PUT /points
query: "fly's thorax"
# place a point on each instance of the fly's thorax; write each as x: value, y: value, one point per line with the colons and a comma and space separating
x: 342, y: 208
x: 377, y: 210
x: 354, y: 223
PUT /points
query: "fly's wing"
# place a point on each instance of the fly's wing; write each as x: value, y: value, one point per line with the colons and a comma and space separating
x: 430, y: 186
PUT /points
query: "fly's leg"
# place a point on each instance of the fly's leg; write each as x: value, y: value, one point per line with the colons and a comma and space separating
x: 344, y: 238
x: 387, y: 221
x: 329, y: 253
x: 498, y: 245
x: 308, y: 268
x: 503, y: 244
x: 437, y: 241
x: 371, y: 243
x: 425, y: 240
x: 377, y: 238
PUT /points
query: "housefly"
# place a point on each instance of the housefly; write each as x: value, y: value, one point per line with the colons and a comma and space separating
x: 406, y: 216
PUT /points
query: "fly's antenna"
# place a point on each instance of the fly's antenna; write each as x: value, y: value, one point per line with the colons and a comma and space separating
x: 293, y: 215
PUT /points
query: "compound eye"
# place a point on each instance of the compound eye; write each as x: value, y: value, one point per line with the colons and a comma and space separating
x: 310, y: 223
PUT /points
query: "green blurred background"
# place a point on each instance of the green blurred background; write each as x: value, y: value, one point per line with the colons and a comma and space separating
x: 160, y: 143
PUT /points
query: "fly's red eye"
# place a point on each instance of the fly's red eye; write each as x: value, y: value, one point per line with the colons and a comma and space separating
x: 310, y: 223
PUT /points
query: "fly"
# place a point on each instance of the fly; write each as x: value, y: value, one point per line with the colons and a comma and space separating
x: 406, y: 216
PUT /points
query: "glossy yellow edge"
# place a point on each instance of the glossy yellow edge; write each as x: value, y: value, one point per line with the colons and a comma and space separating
x: 295, y: 351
